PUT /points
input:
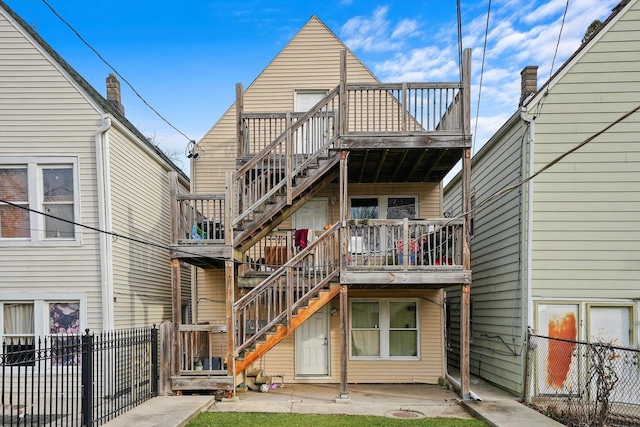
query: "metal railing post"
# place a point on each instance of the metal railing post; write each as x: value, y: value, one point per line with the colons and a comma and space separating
x: 154, y: 361
x: 87, y: 378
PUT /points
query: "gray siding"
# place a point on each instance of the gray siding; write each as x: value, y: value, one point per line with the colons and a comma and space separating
x: 497, y: 299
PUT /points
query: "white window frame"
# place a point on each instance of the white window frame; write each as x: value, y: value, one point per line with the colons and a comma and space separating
x: 384, y: 328
x: 41, y: 301
x: 34, y: 166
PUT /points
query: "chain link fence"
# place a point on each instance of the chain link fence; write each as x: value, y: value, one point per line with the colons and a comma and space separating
x: 584, y: 384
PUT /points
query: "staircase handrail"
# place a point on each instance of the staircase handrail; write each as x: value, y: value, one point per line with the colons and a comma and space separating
x: 291, y: 305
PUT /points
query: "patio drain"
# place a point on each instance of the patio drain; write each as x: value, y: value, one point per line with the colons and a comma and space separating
x: 405, y: 414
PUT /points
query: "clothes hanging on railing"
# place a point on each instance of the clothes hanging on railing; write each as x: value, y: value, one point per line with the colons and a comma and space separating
x: 302, y: 238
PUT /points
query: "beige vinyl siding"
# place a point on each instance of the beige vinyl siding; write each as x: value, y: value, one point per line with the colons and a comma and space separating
x: 498, y: 301
x: 140, y: 209
x: 42, y: 113
x: 586, y: 225
x: 311, y: 60
x: 429, y: 369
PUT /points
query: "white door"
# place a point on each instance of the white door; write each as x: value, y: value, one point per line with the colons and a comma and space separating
x: 613, y: 325
x: 312, y: 345
x: 310, y: 137
x: 313, y: 215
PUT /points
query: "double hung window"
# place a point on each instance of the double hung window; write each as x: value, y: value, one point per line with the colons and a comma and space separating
x: 29, y: 325
x: 39, y: 201
x: 385, y: 329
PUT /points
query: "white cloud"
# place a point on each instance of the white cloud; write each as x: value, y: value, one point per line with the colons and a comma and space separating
x: 425, y: 64
x: 373, y: 34
x: 406, y: 28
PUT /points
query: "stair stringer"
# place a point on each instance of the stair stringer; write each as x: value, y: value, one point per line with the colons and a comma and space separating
x: 282, y: 331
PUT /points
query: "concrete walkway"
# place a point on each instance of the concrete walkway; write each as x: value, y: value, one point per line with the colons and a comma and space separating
x: 406, y: 401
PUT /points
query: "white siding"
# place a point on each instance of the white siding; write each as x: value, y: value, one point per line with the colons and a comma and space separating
x: 140, y: 209
x: 42, y: 114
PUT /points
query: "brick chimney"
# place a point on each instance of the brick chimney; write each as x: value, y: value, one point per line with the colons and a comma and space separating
x: 529, y: 82
x: 113, y: 92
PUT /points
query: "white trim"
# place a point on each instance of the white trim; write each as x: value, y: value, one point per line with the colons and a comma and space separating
x: 34, y: 165
x: 384, y: 319
x: 105, y: 221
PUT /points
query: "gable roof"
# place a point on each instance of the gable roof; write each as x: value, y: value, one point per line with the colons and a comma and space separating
x: 616, y: 13
x: 89, y: 90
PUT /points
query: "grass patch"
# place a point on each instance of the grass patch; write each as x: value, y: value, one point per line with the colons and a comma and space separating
x: 252, y: 419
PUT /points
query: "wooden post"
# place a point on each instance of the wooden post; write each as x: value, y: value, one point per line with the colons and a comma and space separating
x: 343, y: 128
x: 176, y: 314
x: 465, y: 333
x: 229, y: 280
x: 288, y: 153
x: 344, y: 311
x: 174, y: 209
x: 239, y: 124
x: 344, y: 209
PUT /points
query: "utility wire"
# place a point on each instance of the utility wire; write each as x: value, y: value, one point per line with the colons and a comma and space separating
x: 115, y: 71
x: 548, y: 165
x: 110, y: 233
x: 553, y: 61
x: 484, y: 51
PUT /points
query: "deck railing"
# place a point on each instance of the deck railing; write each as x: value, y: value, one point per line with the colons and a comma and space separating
x: 276, y: 299
x: 270, y: 253
x: 404, y: 244
x: 202, y: 349
x: 201, y: 218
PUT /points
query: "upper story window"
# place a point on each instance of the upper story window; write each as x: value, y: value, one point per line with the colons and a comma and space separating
x: 47, y: 185
x: 384, y: 207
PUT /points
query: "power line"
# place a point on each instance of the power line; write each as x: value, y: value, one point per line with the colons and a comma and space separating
x: 115, y: 71
x: 553, y: 61
x: 548, y: 165
x: 484, y: 51
x: 110, y: 233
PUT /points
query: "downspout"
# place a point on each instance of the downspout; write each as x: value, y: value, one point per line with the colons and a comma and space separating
x: 104, y: 221
x: 531, y: 142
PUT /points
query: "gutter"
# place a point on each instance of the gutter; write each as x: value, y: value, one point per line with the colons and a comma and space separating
x: 531, y: 142
x: 104, y: 220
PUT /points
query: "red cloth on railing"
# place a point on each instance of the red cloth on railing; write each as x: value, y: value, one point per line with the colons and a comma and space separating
x: 301, y: 239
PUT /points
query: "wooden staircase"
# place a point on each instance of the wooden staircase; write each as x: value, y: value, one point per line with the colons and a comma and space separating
x: 286, y: 173
x: 288, y: 297
x: 282, y: 331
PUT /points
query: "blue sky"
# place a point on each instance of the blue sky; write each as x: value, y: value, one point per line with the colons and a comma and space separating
x: 185, y: 57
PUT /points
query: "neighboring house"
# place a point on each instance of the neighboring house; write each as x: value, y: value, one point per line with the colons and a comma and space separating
x: 316, y: 223
x: 559, y: 254
x: 70, y: 156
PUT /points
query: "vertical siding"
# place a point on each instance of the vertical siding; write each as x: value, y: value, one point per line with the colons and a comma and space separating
x: 586, y: 222
x: 429, y: 369
x: 496, y: 289
x: 42, y: 114
x: 140, y: 209
x: 311, y: 60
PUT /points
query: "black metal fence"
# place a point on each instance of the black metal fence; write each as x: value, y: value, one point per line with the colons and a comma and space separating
x: 77, y: 380
x: 584, y: 384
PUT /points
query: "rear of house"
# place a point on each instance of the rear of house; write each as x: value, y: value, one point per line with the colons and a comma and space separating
x: 316, y: 225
